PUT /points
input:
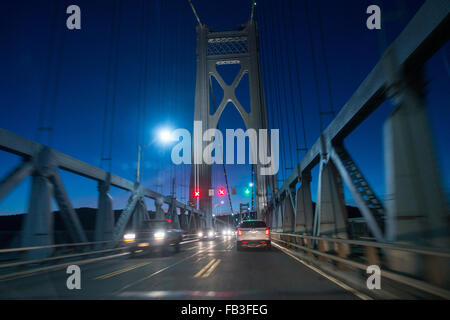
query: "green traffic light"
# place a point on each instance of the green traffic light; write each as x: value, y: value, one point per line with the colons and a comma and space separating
x: 247, y: 191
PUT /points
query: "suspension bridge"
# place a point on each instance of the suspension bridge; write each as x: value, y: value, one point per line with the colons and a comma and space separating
x: 315, y: 255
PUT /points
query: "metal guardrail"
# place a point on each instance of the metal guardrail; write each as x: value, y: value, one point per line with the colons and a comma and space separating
x: 403, y: 279
x: 439, y: 252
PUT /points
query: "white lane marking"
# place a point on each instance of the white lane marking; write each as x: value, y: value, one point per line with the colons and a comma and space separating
x: 161, y: 270
x: 332, y: 279
x: 188, y: 241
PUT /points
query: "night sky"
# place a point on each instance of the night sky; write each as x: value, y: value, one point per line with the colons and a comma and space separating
x: 141, y: 66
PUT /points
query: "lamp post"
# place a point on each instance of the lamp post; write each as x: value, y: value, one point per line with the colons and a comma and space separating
x: 165, y: 136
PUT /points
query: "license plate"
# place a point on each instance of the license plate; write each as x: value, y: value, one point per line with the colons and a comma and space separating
x: 143, y: 244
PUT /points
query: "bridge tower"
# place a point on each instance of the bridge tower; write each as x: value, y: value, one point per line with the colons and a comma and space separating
x: 224, y: 48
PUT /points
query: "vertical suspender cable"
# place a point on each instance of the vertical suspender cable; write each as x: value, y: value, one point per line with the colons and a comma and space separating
x: 291, y: 80
x: 272, y: 79
x: 267, y: 75
x: 325, y: 60
x: 108, y: 85
x: 114, y: 93
x: 56, y: 82
x: 277, y: 93
x: 47, y: 77
x: 313, y: 54
x: 297, y: 72
x: 283, y: 84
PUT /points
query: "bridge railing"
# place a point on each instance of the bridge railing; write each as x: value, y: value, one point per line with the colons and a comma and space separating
x: 374, y: 254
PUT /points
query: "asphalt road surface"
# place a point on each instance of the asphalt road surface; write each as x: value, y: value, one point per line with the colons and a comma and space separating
x: 201, y: 270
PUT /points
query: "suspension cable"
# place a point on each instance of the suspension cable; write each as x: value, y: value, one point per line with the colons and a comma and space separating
x: 42, y: 125
x: 297, y: 72
x: 277, y: 92
x: 283, y: 67
x: 56, y: 83
x: 115, y: 78
x: 270, y: 71
x: 267, y: 79
x: 313, y: 55
x: 291, y: 81
x: 108, y: 86
x: 325, y: 60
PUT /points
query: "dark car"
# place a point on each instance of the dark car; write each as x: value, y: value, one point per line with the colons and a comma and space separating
x: 157, y: 235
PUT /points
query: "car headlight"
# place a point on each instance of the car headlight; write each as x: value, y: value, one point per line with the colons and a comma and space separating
x: 160, y: 235
x: 129, y: 237
x: 210, y: 234
x: 200, y: 234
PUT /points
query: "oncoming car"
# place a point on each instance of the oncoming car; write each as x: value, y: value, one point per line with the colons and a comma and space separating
x: 206, y: 234
x: 253, y: 233
x: 227, y: 232
x: 156, y: 235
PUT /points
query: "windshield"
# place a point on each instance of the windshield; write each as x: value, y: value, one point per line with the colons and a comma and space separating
x: 229, y: 155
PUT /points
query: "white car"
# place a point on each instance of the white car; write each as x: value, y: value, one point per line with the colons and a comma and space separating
x: 253, y: 233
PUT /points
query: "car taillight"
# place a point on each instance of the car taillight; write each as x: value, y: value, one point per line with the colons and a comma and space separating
x: 267, y: 231
x: 239, y: 232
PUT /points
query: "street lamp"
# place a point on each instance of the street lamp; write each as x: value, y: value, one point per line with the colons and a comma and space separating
x: 165, y: 135
x: 250, y: 184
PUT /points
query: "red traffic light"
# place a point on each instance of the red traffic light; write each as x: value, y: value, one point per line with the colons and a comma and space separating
x: 221, y: 192
x: 197, y: 193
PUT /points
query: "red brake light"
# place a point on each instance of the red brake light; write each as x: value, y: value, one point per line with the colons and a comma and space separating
x: 267, y: 231
x: 239, y: 232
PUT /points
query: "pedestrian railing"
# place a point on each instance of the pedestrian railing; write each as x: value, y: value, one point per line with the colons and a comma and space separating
x: 345, y: 253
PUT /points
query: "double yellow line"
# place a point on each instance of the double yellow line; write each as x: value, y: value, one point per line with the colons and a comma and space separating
x: 120, y: 271
x: 205, y: 272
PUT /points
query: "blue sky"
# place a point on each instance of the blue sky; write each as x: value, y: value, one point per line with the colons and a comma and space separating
x: 65, y: 82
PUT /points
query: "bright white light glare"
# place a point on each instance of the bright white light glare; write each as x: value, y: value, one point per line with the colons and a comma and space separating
x: 165, y: 135
x: 129, y: 236
x: 200, y: 234
x: 250, y: 184
x: 222, y: 202
x: 210, y: 234
x: 160, y: 235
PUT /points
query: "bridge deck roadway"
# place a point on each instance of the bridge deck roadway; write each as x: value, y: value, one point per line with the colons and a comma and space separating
x: 201, y: 270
